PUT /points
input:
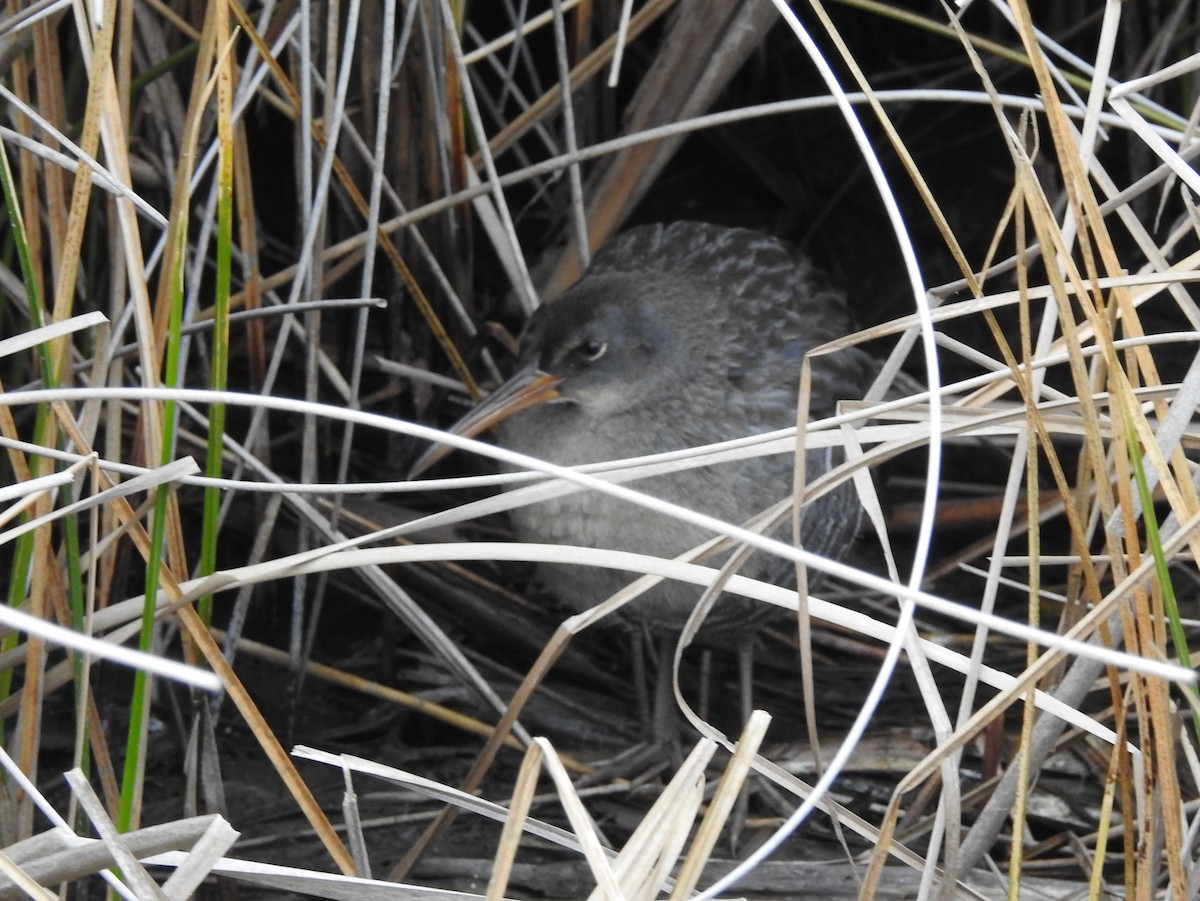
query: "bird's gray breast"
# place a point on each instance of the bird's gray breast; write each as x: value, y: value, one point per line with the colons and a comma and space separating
x: 733, y: 492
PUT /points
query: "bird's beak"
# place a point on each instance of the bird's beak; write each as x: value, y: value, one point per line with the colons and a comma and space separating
x: 528, y: 387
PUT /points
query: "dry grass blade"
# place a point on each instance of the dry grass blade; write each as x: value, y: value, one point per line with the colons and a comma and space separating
x: 440, y: 792
x: 652, y: 851
x: 731, y: 784
x: 217, y: 839
x: 514, y: 823
x: 51, y: 858
x: 132, y: 871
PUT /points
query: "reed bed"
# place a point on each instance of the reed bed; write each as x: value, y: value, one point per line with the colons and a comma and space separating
x: 254, y: 254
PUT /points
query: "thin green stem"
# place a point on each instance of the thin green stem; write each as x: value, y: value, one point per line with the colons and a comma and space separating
x: 135, y: 745
x: 1162, y: 570
x: 44, y: 421
x: 219, y: 378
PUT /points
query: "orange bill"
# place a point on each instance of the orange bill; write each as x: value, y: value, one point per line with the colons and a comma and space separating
x: 528, y: 387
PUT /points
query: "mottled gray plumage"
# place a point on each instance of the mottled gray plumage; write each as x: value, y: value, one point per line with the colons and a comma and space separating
x: 681, y: 335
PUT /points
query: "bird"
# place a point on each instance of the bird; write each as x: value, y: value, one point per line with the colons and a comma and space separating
x: 678, y: 335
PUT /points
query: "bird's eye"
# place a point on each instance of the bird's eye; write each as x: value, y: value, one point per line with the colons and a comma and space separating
x: 591, y: 349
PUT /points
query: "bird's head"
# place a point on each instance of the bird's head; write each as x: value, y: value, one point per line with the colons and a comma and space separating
x: 614, y: 343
